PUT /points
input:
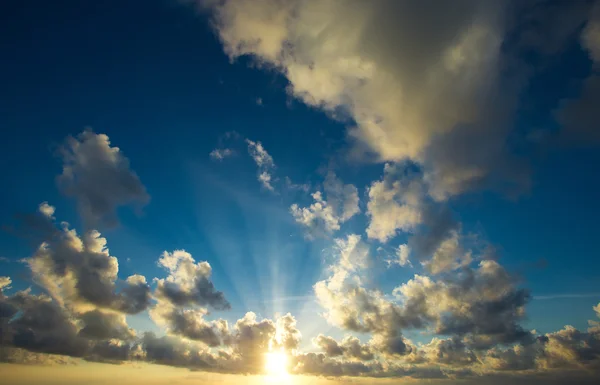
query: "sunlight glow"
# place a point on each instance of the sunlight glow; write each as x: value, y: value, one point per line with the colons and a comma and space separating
x: 276, y: 364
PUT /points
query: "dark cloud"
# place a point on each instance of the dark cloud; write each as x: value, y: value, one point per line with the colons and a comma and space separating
x: 188, y: 283
x: 98, y: 325
x: 99, y: 177
x: 80, y: 270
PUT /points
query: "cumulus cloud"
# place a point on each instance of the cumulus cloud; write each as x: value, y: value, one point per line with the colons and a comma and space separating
x: 403, y: 85
x: 79, y: 270
x: 190, y: 323
x: 319, y: 218
x: 5, y: 283
x: 46, y: 209
x: 398, y: 204
x: 402, y: 256
x: 100, y: 325
x: 350, y: 347
x: 188, y: 282
x: 394, y: 205
x: 328, y: 212
x: 99, y: 177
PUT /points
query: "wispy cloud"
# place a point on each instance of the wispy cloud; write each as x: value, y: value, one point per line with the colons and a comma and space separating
x: 566, y: 296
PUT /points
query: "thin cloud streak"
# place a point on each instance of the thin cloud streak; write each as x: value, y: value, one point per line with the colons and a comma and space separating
x: 566, y: 296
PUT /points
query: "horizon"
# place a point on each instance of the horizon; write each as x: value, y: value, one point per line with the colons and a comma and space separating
x: 293, y: 192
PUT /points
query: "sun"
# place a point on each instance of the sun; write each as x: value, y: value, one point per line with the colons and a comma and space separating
x: 276, y: 364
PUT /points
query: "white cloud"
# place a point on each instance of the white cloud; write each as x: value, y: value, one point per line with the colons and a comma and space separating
x: 319, y: 218
x: 46, y: 209
x: 221, y: 153
x: 402, y: 256
x: 264, y: 161
x: 404, y: 83
x: 325, y: 215
x: 5, y: 283
x: 394, y: 205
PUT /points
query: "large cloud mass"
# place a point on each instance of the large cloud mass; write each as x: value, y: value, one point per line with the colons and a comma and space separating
x: 419, y: 80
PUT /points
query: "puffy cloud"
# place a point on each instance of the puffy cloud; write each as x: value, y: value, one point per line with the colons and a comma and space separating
x: 259, y: 154
x: 98, y: 325
x: 403, y: 85
x: 46, y: 209
x: 326, y: 214
x: 398, y: 204
x: 134, y: 296
x: 451, y: 352
x: 99, y: 177
x: 188, y: 283
x: 287, y: 335
x: 5, y: 283
x: 482, y: 304
x: 42, y: 326
x: 319, y: 217
x: 251, y: 339
x: 394, y: 205
x: 350, y: 347
x: 402, y: 256
x: 79, y: 270
x: 329, y: 345
x: 190, y: 324
x: 168, y: 350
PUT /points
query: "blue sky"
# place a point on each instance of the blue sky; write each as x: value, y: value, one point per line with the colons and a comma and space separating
x: 168, y: 86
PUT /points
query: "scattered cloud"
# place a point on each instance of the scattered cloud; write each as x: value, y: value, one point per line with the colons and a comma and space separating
x: 99, y: 177
x: 264, y: 161
x: 434, y: 91
x: 221, y: 153
x: 325, y: 215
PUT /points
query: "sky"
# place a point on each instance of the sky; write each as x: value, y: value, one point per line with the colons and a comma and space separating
x: 300, y: 191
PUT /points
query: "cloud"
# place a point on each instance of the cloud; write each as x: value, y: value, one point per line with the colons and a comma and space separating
x: 99, y: 325
x: 403, y: 85
x: 327, y: 213
x: 398, y: 203
x: 188, y: 283
x: 350, y: 347
x: 5, y: 283
x: 318, y: 218
x: 99, y: 177
x: 580, y: 116
x: 402, y: 256
x: 190, y: 324
x: 47, y: 209
x: 590, y: 37
x: 394, y: 205
x: 79, y: 270
x: 221, y: 153
x: 264, y: 161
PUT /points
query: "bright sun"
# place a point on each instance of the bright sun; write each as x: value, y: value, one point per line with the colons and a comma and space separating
x: 276, y: 364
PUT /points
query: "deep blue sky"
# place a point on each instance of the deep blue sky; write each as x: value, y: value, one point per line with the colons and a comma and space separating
x: 154, y: 78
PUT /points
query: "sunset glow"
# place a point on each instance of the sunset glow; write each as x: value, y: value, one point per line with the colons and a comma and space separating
x: 294, y: 192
